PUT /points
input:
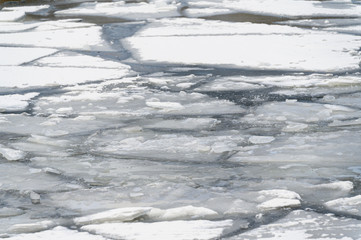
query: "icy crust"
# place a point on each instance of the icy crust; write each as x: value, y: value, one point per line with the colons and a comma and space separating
x: 58, y: 233
x: 301, y: 224
x: 284, y: 8
x: 52, y: 34
x: 129, y: 11
x: 172, y: 41
x: 182, y: 230
x: 8, y: 14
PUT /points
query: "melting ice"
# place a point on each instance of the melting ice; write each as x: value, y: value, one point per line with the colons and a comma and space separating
x: 180, y: 120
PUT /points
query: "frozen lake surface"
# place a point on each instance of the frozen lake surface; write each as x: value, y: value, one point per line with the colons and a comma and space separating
x: 184, y: 119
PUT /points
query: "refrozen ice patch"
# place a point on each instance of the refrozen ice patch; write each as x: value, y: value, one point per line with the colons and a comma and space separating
x: 301, y: 225
x: 350, y: 205
x: 18, y: 55
x: 239, y: 45
x: 177, y: 230
x: 15, y: 102
x: 11, y: 154
x: 122, y: 10
x: 9, y: 14
x: 58, y: 233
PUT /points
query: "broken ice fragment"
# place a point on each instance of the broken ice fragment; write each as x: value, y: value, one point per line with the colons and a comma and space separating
x: 32, y: 227
x: 114, y: 215
x: 35, y: 197
x: 261, y: 139
x: 11, y: 154
x: 279, y: 203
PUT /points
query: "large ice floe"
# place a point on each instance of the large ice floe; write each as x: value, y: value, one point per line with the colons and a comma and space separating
x: 180, y: 119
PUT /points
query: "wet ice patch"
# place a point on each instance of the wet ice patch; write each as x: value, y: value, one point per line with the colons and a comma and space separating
x: 301, y: 224
x: 182, y: 230
x: 121, y: 10
x: 171, y: 41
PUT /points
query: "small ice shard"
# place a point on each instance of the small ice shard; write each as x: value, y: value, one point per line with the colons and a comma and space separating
x: 58, y: 233
x: 31, y: 227
x: 181, y: 213
x: 35, y: 197
x: 175, y: 230
x: 350, y: 205
x: 295, y: 127
x: 165, y: 106
x: 11, y: 154
x: 261, y: 139
x: 345, y: 186
x: 279, y: 203
x: 114, y: 215
x: 280, y: 193
x: 10, y: 212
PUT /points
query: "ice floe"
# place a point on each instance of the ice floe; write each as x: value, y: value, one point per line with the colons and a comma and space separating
x: 122, y: 10
x: 15, y: 102
x: 19, y: 55
x: 301, y: 224
x: 182, y: 230
x: 172, y: 41
x: 32, y: 227
x: 11, y: 154
x: 351, y: 205
x: 58, y: 233
x: 9, y: 14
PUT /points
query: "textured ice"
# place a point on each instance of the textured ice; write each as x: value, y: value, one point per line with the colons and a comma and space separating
x: 17, y: 55
x: 114, y: 215
x: 9, y: 14
x: 351, y: 205
x: 172, y: 41
x: 301, y: 225
x: 284, y: 8
x: 182, y: 230
x: 11, y: 154
x: 18, y: 76
x: 15, y: 102
x: 134, y: 11
x: 52, y: 34
x: 58, y: 233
